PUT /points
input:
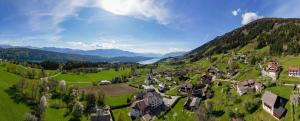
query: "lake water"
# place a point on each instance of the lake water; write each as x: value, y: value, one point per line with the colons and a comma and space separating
x: 151, y: 61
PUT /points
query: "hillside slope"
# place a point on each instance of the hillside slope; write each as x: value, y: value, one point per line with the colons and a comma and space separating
x: 281, y: 35
x: 34, y: 55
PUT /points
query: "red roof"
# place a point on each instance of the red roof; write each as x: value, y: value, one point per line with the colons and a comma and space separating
x: 294, y: 68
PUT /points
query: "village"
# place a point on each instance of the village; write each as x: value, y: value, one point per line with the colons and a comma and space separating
x: 153, y: 101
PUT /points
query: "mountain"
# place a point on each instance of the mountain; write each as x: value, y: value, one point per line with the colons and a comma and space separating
x: 98, y: 52
x: 280, y: 35
x: 36, y: 55
x: 174, y: 54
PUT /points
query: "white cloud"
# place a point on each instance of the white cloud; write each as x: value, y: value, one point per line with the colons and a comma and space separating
x: 249, y: 17
x: 236, y: 12
x: 129, y: 45
x: 141, y: 9
x: 48, y: 15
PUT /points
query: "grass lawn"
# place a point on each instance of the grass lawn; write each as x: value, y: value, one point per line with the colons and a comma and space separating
x: 87, y: 79
x: 247, y: 73
x: 177, y: 113
x: 121, y: 114
x: 10, y: 110
x: 286, y: 62
x: 172, y: 92
x: 116, y: 100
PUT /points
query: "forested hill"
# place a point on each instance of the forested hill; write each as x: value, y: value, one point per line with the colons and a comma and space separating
x: 281, y: 35
x: 34, y: 55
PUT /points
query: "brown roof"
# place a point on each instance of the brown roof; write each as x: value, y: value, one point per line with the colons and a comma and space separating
x: 269, y: 98
x: 140, y: 105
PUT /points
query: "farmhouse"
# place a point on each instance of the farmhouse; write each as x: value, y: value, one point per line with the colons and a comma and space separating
x: 102, y: 114
x: 272, y: 70
x: 294, y: 71
x: 273, y: 104
x: 245, y: 86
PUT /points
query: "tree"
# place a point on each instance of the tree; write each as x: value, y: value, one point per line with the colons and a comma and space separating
x: 90, y: 102
x: 62, y: 86
x: 100, y: 100
x: 77, y: 110
x: 30, y: 117
x: 42, y: 107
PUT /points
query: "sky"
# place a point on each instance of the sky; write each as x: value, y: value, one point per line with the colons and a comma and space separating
x: 144, y: 26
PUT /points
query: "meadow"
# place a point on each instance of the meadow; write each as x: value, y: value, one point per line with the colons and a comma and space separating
x: 86, y: 79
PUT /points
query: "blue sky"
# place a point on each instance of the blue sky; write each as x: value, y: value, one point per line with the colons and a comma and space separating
x: 156, y: 26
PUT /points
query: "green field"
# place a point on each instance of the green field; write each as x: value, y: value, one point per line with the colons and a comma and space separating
x: 178, y: 113
x: 89, y: 78
x: 10, y: 110
x: 285, y: 62
x: 121, y: 114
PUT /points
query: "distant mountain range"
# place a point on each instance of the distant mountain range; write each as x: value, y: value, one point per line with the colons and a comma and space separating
x: 28, y: 53
x: 99, y: 52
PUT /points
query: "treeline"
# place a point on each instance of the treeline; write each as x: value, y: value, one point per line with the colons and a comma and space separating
x: 282, y: 35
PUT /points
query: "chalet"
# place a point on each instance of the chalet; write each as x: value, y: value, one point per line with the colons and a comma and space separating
x: 294, y: 71
x: 102, y: 114
x: 149, y: 79
x: 245, y: 86
x: 273, y: 104
x: 272, y: 70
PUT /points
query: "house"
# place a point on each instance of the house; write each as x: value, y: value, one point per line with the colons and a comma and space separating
x: 272, y: 70
x: 102, y: 114
x: 273, y: 104
x: 294, y: 71
x: 185, y: 87
x: 232, y: 72
x: 245, y: 86
x: 105, y: 82
x: 140, y: 107
x: 295, y: 99
x: 146, y: 117
x: 192, y: 103
x: 151, y: 101
x: 195, y: 103
x: 149, y: 79
x: 206, y: 79
x: 163, y: 87
x: 154, y: 99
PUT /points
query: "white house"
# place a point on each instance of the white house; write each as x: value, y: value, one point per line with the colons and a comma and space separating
x: 294, y: 71
x: 154, y: 99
